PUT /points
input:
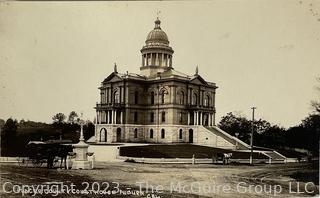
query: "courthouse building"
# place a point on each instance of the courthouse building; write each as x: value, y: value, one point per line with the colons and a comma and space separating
x: 160, y: 104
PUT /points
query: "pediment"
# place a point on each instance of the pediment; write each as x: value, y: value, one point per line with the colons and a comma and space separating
x: 198, y: 80
x: 113, y: 77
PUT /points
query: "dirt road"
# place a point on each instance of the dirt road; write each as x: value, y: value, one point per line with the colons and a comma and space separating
x: 175, y: 180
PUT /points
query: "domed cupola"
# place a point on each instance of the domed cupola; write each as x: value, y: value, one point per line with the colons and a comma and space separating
x: 157, y: 36
x: 156, y: 54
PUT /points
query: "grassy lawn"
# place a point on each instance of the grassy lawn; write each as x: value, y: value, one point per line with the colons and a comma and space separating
x: 181, y: 151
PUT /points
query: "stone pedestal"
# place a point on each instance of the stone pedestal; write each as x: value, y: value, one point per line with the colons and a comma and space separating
x: 81, y: 150
x: 81, y: 165
x: 81, y: 161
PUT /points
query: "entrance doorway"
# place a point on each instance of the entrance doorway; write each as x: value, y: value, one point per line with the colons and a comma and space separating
x: 103, y: 135
x: 190, y: 136
x: 118, y: 134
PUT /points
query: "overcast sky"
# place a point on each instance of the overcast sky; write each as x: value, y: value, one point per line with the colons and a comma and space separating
x: 53, y: 56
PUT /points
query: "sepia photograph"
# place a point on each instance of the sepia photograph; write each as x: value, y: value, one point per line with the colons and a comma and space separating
x: 157, y: 99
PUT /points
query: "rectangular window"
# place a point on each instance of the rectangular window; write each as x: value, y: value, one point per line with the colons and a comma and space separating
x: 135, y: 118
x: 152, y: 98
x: 151, y: 133
x: 136, y: 96
x: 151, y: 117
x: 163, y: 116
x: 163, y: 134
x: 180, y: 117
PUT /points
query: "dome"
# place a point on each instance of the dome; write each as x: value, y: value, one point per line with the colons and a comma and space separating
x: 157, y: 35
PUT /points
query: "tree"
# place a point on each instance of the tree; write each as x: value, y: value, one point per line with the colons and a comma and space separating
x: 311, y: 132
x: 8, y: 137
x: 73, y: 116
x: 59, y: 118
x: 266, y: 134
x: 233, y: 124
x: 89, y: 130
x: 2, y: 122
x: 316, y: 103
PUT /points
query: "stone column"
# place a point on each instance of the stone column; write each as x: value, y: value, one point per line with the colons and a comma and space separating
x: 188, y: 118
x: 108, y: 117
x: 121, y: 117
x: 97, y: 117
x: 209, y: 119
x: 160, y: 59
x: 102, y: 119
x: 196, y: 118
x: 167, y: 60
x: 213, y: 120
x: 142, y: 61
x: 201, y: 117
x: 157, y: 60
x: 122, y: 94
x: 115, y: 116
x: 112, y: 118
x: 172, y: 95
x: 152, y: 59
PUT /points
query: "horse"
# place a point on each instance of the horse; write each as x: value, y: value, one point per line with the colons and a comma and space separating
x: 62, y: 153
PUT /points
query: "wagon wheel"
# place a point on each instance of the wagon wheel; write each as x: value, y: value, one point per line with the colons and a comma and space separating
x: 22, y: 161
x: 37, y: 162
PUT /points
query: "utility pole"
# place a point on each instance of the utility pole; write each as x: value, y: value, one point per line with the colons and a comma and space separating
x: 252, y: 129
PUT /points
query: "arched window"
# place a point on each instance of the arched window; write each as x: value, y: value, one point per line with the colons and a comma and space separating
x: 180, y: 134
x: 207, y: 101
x: 151, y: 133
x: 116, y: 97
x: 194, y: 99
x: 181, y: 97
x: 136, y: 96
x: 152, y: 97
x: 135, y: 133
x: 162, y: 97
x: 163, y: 134
x: 102, y: 97
x: 103, y: 135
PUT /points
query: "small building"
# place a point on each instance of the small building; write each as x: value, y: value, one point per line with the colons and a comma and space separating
x: 160, y: 104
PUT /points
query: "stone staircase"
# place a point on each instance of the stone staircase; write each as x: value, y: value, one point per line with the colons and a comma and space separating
x: 275, y: 157
x: 233, y: 140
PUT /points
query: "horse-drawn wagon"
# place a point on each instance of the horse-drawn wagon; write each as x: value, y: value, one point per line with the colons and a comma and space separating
x: 48, y: 152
